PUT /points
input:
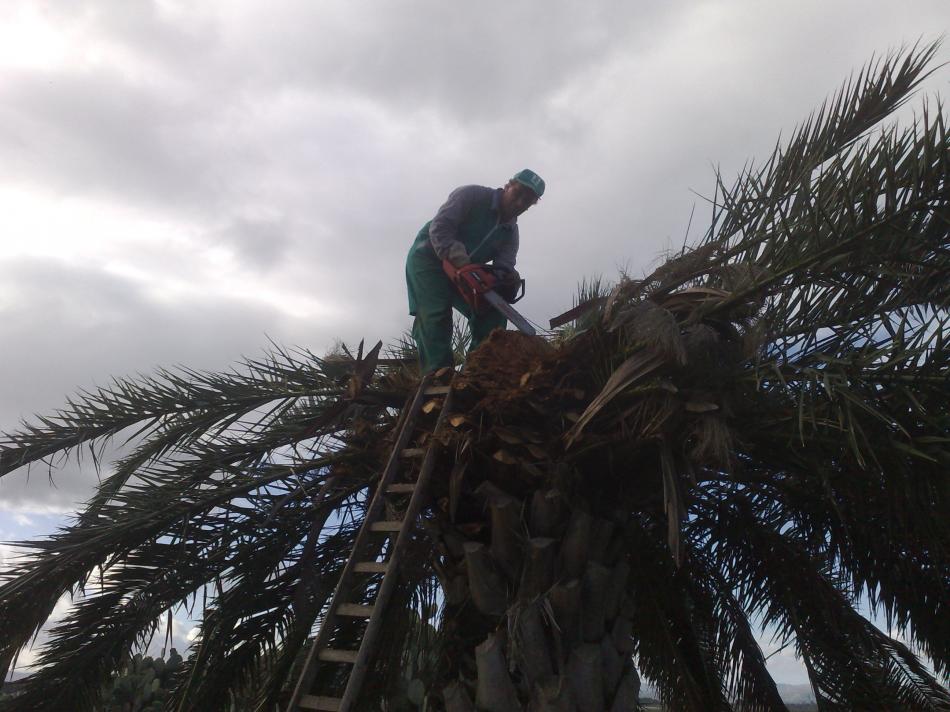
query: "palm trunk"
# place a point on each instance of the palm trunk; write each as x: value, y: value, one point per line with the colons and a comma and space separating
x: 548, y: 630
x: 533, y: 573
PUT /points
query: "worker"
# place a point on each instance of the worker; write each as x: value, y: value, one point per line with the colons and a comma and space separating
x: 476, y: 224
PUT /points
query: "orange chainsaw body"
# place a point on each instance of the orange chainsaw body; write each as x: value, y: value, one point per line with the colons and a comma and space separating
x: 473, y: 281
x: 480, y: 289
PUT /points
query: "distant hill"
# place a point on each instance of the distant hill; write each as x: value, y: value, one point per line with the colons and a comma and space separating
x: 796, y: 694
x: 799, y: 698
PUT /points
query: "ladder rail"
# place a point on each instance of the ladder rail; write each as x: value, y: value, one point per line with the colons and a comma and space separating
x: 367, y: 647
x: 309, y: 670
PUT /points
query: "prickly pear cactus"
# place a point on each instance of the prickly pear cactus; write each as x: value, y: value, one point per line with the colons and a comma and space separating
x: 143, y: 685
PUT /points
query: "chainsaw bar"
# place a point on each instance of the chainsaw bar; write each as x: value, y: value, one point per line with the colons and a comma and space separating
x: 509, y: 311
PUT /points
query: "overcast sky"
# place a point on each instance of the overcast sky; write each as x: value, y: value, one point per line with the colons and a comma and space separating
x: 178, y: 185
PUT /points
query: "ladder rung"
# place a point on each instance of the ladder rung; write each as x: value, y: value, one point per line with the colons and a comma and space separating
x: 355, y: 610
x: 413, y: 452
x: 389, y: 525
x: 402, y: 488
x: 371, y: 567
x: 323, y: 704
x: 437, y: 390
x: 332, y: 655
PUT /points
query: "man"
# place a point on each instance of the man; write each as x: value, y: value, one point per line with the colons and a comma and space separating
x: 476, y: 224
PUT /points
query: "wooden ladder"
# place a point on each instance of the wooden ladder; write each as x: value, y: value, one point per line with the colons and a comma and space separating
x: 354, y: 587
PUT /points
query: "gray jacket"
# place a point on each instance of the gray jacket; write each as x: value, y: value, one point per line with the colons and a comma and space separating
x: 443, y: 229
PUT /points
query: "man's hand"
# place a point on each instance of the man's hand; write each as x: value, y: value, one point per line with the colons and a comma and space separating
x: 458, y: 255
x: 508, y: 284
x: 507, y: 276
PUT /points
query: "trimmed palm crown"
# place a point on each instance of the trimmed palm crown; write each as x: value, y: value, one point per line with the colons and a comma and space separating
x: 755, y: 434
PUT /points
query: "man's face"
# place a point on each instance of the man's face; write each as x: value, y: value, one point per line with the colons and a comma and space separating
x: 515, y: 199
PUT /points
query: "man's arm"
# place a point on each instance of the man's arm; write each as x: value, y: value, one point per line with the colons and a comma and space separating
x: 507, y: 253
x: 443, y: 230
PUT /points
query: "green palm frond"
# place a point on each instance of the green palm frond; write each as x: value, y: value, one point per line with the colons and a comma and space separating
x: 221, y: 461
x: 789, y: 574
x: 672, y: 649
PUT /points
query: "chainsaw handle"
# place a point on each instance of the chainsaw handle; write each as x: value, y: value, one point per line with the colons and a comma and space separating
x: 510, y: 291
x: 519, y: 293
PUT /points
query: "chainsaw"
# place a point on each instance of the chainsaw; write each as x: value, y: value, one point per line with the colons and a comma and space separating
x: 479, y: 287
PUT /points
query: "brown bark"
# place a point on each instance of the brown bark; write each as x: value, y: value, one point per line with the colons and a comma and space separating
x: 565, y: 599
x: 621, y: 635
x: 593, y: 596
x: 627, y: 694
x: 552, y: 629
x: 586, y: 678
x: 612, y: 663
x: 487, y: 492
x: 540, y: 569
x: 547, y: 513
x: 454, y: 542
x: 616, y: 588
x: 553, y: 696
x: 506, y: 536
x: 601, y: 534
x: 495, y: 691
x: 487, y: 588
x: 456, y: 698
x: 575, y: 550
x: 532, y: 650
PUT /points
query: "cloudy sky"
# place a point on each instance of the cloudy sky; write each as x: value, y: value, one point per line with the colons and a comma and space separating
x: 181, y: 181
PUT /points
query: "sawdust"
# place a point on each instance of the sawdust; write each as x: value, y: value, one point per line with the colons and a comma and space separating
x: 502, y: 366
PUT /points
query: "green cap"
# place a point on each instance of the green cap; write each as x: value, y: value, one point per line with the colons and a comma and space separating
x: 530, y: 179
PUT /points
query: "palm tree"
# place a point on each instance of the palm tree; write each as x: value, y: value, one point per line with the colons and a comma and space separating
x: 755, y: 434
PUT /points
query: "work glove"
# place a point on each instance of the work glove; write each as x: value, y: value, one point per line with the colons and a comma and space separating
x: 509, y: 282
x: 457, y: 255
x: 507, y: 276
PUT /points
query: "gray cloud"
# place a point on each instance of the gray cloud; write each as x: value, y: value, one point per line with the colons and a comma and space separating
x: 103, y: 134
x: 474, y: 66
x: 74, y: 328
x: 262, y: 242
x: 304, y: 144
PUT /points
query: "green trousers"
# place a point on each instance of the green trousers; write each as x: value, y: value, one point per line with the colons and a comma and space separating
x: 431, y: 300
